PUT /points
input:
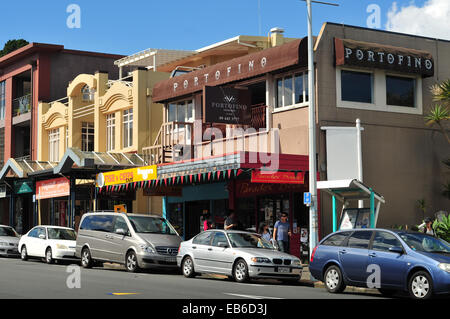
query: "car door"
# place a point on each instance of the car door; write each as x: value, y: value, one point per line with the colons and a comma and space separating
x: 200, y: 245
x: 119, y: 243
x: 97, y: 232
x: 393, y: 265
x: 28, y: 240
x: 41, y: 243
x: 354, y: 257
x: 220, y: 255
x: 35, y: 243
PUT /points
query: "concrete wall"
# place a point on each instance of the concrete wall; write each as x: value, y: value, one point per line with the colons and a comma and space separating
x: 401, y: 155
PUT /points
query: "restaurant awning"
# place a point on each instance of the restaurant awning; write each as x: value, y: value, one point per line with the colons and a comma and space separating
x: 265, y: 61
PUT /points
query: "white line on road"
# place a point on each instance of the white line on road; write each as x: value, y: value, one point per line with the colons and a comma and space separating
x: 252, y: 296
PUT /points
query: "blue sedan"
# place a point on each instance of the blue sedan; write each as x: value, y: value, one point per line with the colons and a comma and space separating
x: 389, y: 260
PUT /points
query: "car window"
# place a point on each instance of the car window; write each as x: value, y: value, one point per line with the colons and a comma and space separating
x: 203, y: 238
x: 61, y: 234
x: 336, y: 239
x: 120, y: 223
x: 7, y: 231
x: 219, y: 237
x: 101, y: 223
x: 384, y: 240
x: 33, y: 233
x: 360, y: 239
x: 41, y: 231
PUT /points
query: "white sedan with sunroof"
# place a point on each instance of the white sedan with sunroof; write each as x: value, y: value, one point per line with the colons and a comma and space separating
x: 48, y: 242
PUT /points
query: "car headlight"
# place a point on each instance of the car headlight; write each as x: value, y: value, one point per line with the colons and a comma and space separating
x: 148, y: 249
x: 3, y: 243
x: 444, y: 267
x: 296, y: 262
x: 260, y: 260
x: 60, y: 246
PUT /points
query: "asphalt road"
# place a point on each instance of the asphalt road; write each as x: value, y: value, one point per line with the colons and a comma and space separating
x: 35, y: 279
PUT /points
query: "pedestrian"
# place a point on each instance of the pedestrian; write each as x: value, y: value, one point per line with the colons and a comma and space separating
x: 231, y: 223
x: 281, y: 233
x: 428, y: 229
x: 207, y: 221
x: 265, y: 232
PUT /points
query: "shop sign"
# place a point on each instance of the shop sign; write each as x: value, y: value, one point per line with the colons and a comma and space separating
x: 58, y: 187
x: 373, y: 55
x: 164, y: 191
x: 25, y: 187
x: 249, y: 189
x: 132, y: 175
x: 278, y: 177
x: 226, y: 105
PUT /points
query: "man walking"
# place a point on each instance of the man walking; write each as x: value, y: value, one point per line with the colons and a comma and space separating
x: 281, y: 233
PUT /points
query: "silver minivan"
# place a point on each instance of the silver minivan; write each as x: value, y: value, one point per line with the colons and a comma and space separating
x: 135, y: 240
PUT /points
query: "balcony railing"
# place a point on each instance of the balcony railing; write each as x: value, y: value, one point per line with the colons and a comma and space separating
x: 22, y: 105
x: 128, y: 81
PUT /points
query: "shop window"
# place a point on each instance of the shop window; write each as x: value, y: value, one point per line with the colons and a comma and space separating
x: 128, y: 128
x: 87, y: 137
x: 53, y: 142
x: 292, y: 90
x: 400, y: 91
x: 356, y: 86
x: 110, y: 132
x: 87, y: 94
x: 2, y: 99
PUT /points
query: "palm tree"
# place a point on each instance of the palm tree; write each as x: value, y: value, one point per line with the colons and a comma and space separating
x: 437, y: 115
x: 441, y: 92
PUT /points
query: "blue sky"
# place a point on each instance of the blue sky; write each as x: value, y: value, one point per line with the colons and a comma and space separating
x: 125, y: 27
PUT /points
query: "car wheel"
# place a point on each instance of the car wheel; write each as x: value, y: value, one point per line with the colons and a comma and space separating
x: 420, y: 285
x: 188, y: 267
x: 131, y: 262
x: 387, y: 292
x: 240, y: 271
x: 86, y: 259
x: 334, y: 282
x: 48, y: 256
x: 23, y: 253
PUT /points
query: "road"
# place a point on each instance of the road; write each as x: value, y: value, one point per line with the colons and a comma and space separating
x: 35, y: 279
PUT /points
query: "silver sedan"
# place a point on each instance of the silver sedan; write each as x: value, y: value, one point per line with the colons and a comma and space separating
x: 9, y: 241
x: 237, y: 254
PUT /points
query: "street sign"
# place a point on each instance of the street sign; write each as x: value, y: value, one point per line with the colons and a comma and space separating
x: 307, y: 199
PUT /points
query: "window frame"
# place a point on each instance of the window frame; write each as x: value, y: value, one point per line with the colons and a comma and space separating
x: 110, y: 132
x: 53, y: 142
x: 86, y: 132
x: 405, y: 77
x: 128, y: 125
x: 2, y: 99
x: 89, y: 95
x: 372, y: 85
x: 292, y: 75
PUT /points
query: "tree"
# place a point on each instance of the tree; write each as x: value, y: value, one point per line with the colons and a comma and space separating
x: 440, y: 113
x: 12, y: 45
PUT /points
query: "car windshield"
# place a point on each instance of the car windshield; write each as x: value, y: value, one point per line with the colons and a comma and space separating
x: 151, y: 225
x: 244, y: 240
x: 61, y: 234
x: 8, y: 232
x: 425, y: 243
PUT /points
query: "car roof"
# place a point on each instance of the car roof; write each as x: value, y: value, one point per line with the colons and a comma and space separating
x: 113, y: 213
x: 52, y: 226
x: 231, y: 231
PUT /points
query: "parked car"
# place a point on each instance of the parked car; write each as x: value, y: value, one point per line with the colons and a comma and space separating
x: 240, y: 255
x: 9, y: 241
x: 136, y: 240
x: 48, y: 242
x: 407, y: 261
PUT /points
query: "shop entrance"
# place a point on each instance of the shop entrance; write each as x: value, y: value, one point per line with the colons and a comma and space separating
x: 194, y: 212
x: 23, y: 214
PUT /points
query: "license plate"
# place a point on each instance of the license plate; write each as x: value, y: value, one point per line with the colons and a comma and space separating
x: 283, y: 269
x: 171, y: 260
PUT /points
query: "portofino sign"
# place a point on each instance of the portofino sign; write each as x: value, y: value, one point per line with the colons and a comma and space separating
x: 377, y: 56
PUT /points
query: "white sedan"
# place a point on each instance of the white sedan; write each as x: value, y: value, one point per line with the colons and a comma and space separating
x: 49, y: 242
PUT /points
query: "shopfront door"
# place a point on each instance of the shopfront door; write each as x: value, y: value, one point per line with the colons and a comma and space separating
x: 194, y: 212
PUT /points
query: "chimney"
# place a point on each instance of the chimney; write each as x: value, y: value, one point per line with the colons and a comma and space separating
x: 276, y: 36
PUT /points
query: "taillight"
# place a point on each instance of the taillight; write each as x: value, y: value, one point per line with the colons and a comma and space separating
x: 179, y: 247
x: 313, y: 252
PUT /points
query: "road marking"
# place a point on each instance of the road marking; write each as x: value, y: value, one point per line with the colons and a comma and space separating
x: 123, y: 293
x: 252, y: 296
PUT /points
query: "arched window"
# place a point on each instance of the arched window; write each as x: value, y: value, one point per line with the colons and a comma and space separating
x: 88, y: 93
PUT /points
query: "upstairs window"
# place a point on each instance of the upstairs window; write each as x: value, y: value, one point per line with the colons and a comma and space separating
x: 400, y: 91
x: 128, y: 128
x: 87, y: 137
x: 292, y: 90
x: 2, y: 99
x: 110, y: 132
x: 357, y: 86
x: 53, y: 141
x: 88, y: 94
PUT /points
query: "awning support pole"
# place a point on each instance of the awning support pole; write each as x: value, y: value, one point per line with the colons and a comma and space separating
x: 334, y: 214
x: 372, y: 208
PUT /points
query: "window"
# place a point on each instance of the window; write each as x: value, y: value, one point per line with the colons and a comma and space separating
x: 400, y: 91
x: 181, y: 112
x: 53, y: 141
x: 360, y: 239
x: 98, y: 223
x: 33, y: 233
x: 336, y: 239
x: 40, y: 231
x: 87, y: 137
x: 110, y: 132
x: 67, y: 137
x: 292, y: 90
x: 219, y: 237
x: 120, y: 223
x: 128, y: 128
x: 383, y: 241
x: 356, y: 86
x: 203, y: 238
x: 2, y: 99
x: 88, y: 94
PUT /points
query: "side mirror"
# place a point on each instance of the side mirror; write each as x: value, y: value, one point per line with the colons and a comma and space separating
x: 121, y: 231
x: 396, y: 249
x: 222, y: 244
x: 42, y: 236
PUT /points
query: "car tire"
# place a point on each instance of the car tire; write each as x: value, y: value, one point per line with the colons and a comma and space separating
x: 387, y: 292
x: 131, y: 262
x: 187, y: 267
x: 48, y: 256
x: 86, y: 259
x: 240, y: 271
x: 334, y: 281
x: 420, y: 286
x: 23, y: 253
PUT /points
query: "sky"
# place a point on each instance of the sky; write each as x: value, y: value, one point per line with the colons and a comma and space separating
x: 126, y: 27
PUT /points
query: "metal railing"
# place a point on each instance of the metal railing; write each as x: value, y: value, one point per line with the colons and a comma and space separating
x: 128, y: 81
x: 22, y: 105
